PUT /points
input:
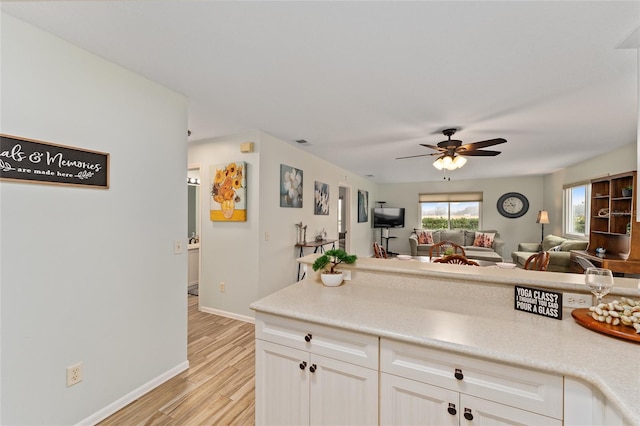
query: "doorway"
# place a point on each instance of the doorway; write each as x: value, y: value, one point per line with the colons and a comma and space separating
x: 193, y: 230
x: 344, y: 214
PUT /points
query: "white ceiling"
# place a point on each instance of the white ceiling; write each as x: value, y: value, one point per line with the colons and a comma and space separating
x: 366, y: 82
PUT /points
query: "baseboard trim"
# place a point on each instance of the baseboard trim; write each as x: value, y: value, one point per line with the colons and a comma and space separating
x: 228, y: 314
x: 133, y: 395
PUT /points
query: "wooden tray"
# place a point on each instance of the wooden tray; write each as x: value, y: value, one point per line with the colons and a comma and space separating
x: 584, y: 318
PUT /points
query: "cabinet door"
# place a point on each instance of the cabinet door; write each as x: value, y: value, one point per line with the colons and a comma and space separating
x: 194, y: 256
x: 480, y: 412
x: 407, y: 402
x: 584, y: 404
x: 282, y: 387
x: 342, y: 393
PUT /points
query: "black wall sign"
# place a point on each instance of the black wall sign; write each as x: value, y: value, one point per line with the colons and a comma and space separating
x: 28, y: 160
x: 542, y: 302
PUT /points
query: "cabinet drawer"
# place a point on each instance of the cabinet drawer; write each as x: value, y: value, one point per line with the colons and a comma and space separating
x: 348, y: 346
x: 485, y: 412
x: 518, y: 387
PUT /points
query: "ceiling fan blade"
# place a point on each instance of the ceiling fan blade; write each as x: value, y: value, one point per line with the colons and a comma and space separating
x: 421, y: 155
x: 478, y: 153
x: 482, y: 144
x: 437, y: 148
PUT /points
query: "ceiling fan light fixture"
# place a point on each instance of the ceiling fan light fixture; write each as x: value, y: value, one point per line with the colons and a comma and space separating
x: 447, y: 163
x: 459, y: 161
x: 450, y: 163
x: 438, y: 164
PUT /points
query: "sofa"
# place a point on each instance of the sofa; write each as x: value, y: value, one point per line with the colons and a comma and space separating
x: 559, y: 252
x: 462, y: 237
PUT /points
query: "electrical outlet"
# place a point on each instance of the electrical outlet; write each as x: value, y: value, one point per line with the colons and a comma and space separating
x: 267, y: 236
x: 74, y: 374
x: 576, y: 300
x: 221, y: 287
x: 177, y: 247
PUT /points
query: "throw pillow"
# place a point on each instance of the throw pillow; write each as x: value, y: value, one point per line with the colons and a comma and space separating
x: 551, y: 241
x: 574, y: 245
x: 424, y: 237
x: 484, y: 239
x: 556, y: 248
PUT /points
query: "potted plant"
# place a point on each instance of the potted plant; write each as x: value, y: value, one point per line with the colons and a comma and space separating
x: 330, y: 276
x: 627, y: 191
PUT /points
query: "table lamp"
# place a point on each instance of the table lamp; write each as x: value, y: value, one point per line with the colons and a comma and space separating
x: 543, y: 217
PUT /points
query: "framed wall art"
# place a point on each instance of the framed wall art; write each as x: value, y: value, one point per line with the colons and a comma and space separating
x: 228, y: 192
x: 321, y: 199
x: 363, y: 206
x: 290, y: 186
x: 32, y: 161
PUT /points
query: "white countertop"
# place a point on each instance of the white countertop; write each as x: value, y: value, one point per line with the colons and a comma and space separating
x: 469, y: 310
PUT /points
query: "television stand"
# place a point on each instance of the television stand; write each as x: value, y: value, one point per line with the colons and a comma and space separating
x: 386, y: 240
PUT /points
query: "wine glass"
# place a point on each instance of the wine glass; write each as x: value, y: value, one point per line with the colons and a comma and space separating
x: 600, y: 281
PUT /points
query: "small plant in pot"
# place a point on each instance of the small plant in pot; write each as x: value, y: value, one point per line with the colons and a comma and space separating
x: 627, y: 191
x: 328, y: 262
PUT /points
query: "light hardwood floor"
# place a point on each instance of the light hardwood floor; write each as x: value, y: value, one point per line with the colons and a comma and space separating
x: 218, y: 387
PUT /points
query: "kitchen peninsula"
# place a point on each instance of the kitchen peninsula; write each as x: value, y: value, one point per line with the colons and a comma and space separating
x: 442, y: 339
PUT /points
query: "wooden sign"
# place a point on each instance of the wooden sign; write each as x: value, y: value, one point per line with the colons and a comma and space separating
x: 537, y: 301
x: 31, y: 161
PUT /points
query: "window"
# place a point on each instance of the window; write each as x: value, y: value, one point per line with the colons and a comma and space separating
x: 450, y: 211
x: 576, y: 209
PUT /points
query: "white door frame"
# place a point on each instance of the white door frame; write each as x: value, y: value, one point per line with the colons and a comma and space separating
x: 346, y: 220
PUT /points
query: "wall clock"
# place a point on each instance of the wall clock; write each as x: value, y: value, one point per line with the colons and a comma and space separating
x: 512, y: 205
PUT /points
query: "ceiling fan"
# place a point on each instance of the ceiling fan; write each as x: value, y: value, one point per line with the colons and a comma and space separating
x: 452, y: 152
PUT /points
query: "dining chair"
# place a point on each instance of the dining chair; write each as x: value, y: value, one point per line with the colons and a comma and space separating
x: 379, y: 251
x: 456, y: 259
x: 441, y: 249
x: 537, y: 261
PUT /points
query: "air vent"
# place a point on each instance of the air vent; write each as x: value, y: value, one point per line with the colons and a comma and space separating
x: 303, y: 142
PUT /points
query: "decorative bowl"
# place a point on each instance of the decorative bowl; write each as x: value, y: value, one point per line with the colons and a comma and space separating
x: 404, y: 257
x: 505, y: 265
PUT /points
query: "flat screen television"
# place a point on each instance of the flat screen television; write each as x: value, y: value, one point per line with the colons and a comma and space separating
x: 388, y: 217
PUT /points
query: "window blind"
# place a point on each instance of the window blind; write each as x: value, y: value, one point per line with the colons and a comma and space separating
x: 450, y: 197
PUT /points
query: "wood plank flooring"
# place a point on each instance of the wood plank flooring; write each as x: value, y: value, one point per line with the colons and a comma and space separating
x: 217, y: 389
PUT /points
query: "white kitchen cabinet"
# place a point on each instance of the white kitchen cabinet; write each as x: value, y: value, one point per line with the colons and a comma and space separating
x: 194, y: 267
x: 312, y: 374
x: 423, y: 380
x: 584, y: 404
x: 342, y: 393
x: 282, y: 386
x: 408, y: 402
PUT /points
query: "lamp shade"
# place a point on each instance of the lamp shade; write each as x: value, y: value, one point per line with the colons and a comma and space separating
x: 438, y: 164
x: 543, y: 217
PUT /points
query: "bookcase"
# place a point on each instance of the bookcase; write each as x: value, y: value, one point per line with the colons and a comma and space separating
x: 613, y: 225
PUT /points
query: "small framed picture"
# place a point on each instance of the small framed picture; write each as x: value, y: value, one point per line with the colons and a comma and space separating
x: 321, y: 199
x: 363, y: 206
x: 290, y: 186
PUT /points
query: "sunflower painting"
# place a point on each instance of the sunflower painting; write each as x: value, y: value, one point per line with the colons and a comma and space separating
x: 228, y: 193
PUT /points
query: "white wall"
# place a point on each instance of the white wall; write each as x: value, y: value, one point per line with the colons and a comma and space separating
x: 619, y: 161
x: 512, y: 231
x: 89, y: 275
x: 237, y: 253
